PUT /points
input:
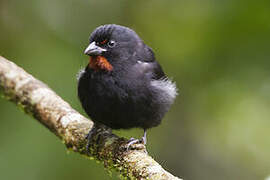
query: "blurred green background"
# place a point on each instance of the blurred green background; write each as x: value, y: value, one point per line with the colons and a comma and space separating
x: 217, y: 51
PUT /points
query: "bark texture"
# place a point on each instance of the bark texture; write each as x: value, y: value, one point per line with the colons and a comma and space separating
x: 38, y: 100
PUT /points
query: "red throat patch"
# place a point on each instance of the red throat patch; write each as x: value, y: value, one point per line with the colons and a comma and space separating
x: 99, y: 63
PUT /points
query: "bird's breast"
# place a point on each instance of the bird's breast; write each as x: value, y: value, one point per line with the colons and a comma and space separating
x: 99, y: 63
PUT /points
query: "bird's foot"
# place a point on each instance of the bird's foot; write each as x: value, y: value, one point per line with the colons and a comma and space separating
x: 88, y: 137
x: 138, y: 142
x: 95, y: 133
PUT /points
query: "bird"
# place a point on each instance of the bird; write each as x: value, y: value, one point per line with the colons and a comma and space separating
x: 123, y: 86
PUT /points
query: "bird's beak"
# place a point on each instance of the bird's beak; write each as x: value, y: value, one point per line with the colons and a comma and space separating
x: 94, y: 50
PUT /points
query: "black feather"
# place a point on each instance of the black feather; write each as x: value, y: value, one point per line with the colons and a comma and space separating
x: 126, y: 96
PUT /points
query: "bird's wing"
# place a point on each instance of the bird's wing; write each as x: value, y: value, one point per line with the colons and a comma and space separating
x: 151, y: 69
x: 147, y: 65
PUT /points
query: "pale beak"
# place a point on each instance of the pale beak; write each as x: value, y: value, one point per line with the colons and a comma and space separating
x: 94, y: 50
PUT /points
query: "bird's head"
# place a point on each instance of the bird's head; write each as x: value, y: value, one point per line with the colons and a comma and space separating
x: 111, y: 45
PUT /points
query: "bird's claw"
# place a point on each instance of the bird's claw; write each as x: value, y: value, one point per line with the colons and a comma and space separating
x: 88, y: 137
x: 133, y: 141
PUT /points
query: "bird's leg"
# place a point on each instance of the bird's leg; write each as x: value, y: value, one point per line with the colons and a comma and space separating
x: 144, y: 139
x: 132, y: 141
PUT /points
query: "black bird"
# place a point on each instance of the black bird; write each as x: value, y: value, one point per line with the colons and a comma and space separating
x: 123, y: 86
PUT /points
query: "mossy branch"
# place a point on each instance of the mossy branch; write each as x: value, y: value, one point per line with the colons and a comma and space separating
x: 39, y: 101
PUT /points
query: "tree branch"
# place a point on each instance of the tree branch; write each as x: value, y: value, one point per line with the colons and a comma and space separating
x: 39, y: 101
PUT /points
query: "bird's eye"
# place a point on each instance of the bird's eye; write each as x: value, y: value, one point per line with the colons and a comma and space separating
x: 111, y: 43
